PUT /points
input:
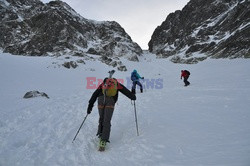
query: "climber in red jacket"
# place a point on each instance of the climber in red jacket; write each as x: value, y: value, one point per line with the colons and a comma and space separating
x: 185, y: 74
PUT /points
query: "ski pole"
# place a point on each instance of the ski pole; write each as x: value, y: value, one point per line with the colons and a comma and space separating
x: 136, y: 120
x: 80, y: 127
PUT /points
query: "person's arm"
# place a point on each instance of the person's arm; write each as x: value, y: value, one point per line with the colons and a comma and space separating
x: 138, y: 76
x: 93, y: 98
x: 126, y: 92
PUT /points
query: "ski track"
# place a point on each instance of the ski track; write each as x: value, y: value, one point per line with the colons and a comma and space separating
x: 195, y: 125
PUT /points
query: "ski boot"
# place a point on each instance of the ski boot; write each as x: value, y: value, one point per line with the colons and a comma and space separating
x: 102, y: 145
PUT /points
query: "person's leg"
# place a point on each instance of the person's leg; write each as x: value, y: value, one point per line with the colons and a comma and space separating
x: 141, y: 88
x: 106, y: 123
x: 188, y: 81
x: 185, y: 81
x: 101, y: 115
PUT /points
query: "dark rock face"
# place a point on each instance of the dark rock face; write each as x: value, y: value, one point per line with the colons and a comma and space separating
x: 113, y: 62
x: 32, y: 94
x: 32, y: 28
x: 70, y: 64
x: 205, y: 28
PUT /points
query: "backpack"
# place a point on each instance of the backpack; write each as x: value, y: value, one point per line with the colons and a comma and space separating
x: 133, y: 76
x: 109, y: 87
x: 187, y: 72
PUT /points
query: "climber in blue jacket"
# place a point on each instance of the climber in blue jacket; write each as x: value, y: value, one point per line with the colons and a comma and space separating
x: 135, y: 77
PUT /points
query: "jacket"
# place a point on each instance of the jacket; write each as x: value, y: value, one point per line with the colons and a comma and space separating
x: 120, y: 88
x: 135, y: 76
x: 184, y: 73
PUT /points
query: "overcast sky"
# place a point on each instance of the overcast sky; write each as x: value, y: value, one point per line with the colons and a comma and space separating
x: 139, y: 18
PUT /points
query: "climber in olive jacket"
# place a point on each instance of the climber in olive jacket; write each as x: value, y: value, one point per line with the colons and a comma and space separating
x: 106, y: 107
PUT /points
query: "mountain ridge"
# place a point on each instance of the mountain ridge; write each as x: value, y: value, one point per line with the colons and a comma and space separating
x: 34, y: 28
x: 202, y: 29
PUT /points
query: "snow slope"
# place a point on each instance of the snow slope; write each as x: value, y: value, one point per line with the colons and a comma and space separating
x: 207, y: 123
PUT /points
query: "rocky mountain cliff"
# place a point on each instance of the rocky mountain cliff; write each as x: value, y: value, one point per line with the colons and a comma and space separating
x: 204, y: 28
x: 30, y: 27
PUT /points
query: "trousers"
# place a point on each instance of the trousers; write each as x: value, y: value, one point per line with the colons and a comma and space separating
x: 106, y: 108
x: 186, y: 81
x: 134, y: 86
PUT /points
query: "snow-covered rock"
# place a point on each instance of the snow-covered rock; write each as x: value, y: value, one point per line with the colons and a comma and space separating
x: 32, y: 94
x: 33, y: 28
x: 204, y: 28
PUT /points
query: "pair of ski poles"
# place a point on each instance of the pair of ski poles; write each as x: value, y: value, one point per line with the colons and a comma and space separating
x: 88, y: 114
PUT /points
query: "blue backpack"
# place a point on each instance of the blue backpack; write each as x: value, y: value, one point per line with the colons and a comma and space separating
x: 133, y: 76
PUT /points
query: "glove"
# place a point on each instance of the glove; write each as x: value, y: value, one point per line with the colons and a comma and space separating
x: 133, y: 97
x: 89, y: 109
